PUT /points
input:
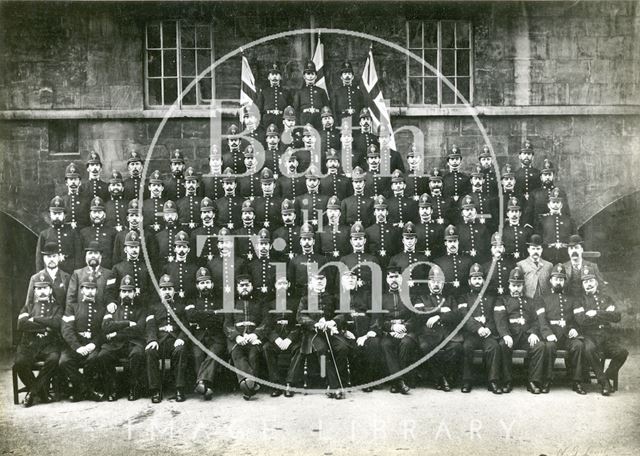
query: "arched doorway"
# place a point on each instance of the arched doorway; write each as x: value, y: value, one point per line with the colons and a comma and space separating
x: 17, y: 264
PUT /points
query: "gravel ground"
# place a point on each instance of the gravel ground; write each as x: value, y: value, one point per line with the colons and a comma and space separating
x: 425, y: 422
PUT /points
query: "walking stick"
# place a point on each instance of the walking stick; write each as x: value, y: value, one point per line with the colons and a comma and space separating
x: 333, y: 358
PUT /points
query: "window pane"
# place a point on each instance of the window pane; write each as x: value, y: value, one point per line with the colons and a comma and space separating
x: 155, y: 92
x: 154, y: 63
x: 447, y: 34
x: 462, y: 35
x: 415, y: 67
x: 188, y: 62
x: 205, y: 88
x: 448, y: 96
x: 153, y: 36
x: 430, y: 34
x: 188, y: 36
x: 448, y: 62
x: 415, y: 34
x: 415, y: 91
x: 431, y: 91
x: 204, y: 60
x: 431, y: 57
x: 170, y: 63
x: 169, y: 34
x: 463, y: 88
x: 203, y: 38
x: 462, y: 58
x: 189, y: 98
x: 170, y: 91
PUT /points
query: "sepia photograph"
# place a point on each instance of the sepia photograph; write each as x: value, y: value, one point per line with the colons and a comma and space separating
x: 322, y: 227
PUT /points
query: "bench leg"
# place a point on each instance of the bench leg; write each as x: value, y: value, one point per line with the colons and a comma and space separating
x: 14, y: 378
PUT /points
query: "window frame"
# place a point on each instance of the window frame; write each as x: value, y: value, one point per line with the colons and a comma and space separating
x: 439, y: 50
x: 201, y: 103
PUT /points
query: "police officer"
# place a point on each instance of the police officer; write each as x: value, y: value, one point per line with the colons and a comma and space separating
x: 212, y: 183
x: 509, y: 189
x: 66, y: 239
x: 134, y: 267
x: 499, y: 280
x: 383, y: 237
x: 333, y: 239
x: 300, y: 266
x: 232, y: 156
x: 473, y: 232
x: 490, y: 181
x: 375, y: 182
x: 455, y: 184
x: 555, y: 229
x: 99, y: 232
x: 189, y: 205
x: 226, y: 266
x: 272, y: 99
x: 430, y: 233
x: 519, y: 329
x: 260, y: 268
x: 527, y: 176
x: 363, y: 139
x: 75, y: 201
x: 53, y: 274
x: 515, y: 232
x: 229, y: 207
x: 166, y: 340
x: 409, y: 257
x: 39, y: 323
x: 152, y: 206
x: 291, y: 184
x: 442, y: 207
x: 417, y: 180
x: 247, y: 232
x: 311, y: 206
x: 356, y: 259
x: 125, y: 337
x: 274, y: 151
x: 95, y: 187
x: 291, y: 135
x: 560, y: 330
x: 134, y: 223
x: 181, y: 270
x: 133, y: 183
x: 347, y: 99
x: 267, y: 206
x: 204, y: 235
x: 539, y: 199
x: 174, y: 184
x: 287, y: 236
x: 249, y: 185
x: 335, y: 183
x: 244, y: 331
x: 309, y: 100
x: 454, y: 264
x: 485, y: 202
x: 595, y: 315
x: 357, y: 207
x: 329, y: 135
x: 573, y: 267
x: 116, y: 207
x: 480, y: 331
x: 206, y: 319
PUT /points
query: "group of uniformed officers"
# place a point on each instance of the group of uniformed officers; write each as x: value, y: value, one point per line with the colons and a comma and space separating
x: 373, y: 272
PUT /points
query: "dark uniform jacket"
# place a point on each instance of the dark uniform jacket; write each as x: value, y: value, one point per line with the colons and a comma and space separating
x: 282, y: 324
x: 105, y: 236
x: 333, y: 241
x: 482, y: 316
x: 59, y: 285
x: 267, y: 210
x: 499, y: 280
x: 119, y: 322
x: 163, y: 323
x: 45, y: 327
x: 106, y: 282
x: 96, y: 187
x: 307, y: 318
x: 116, y: 213
x: 183, y: 277
x: 601, y: 322
x: 249, y: 320
x: 229, y: 212
x: 357, y: 208
x: 189, y: 212
x: 336, y: 184
x: 555, y: 314
x: 152, y: 214
x: 430, y: 239
x: 515, y: 240
x: 527, y: 180
x: 206, y: 318
x: 82, y: 323
x: 69, y: 244
x: 446, y: 308
x: 515, y: 316
x: 456, y: 273
x: 77, y: 209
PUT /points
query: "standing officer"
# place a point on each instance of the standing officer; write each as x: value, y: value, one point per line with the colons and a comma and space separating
x: 363, y: 139
x: 574, y: 267
x: 116, y: 207
x: 262, y: 272
x: 473, y: 232
x: 164, y: 240
x: 205, y: 317
x: 455, y: 184
x: 57, y: 278
x: 383, y: 238
x: 375, y: 183
x: 515, y: 233
x: 357, y: 207
x: 298, y: 268
x: 267, y: 206
x: 290, y: 185
x: 499, y: 280
x: 442, y: 207
x: 560, y: 331
x: 96, y: 187
x: 274, y: 151
x: 287, y: 236
x: 454, y: 264
x: 333, y: 239
x: 430, y: 233
x: 232, y: 156
x: 309, y: 100
x: 134, y: 183
x: 555, y: 229
x: 247, y: 232
x: 229, y: 207
x: 402, y: 208
x: 99, y: 232
x: 335, y: 183
x: 225, y: 267
x: 81, y: 330
x: 125, y: 337
x: 174, y: 184
x: 329, y: 135
x: 539, y: 199
x: 189, y: 205
x: 135, y: 268
x: 509, y: 190
x: 39, y: 323
x: 77, y: 204
x: 291, y: 135
x: 519, y: 329
x: 594, y: 317
x: 480, y: 331
x: 536, y: 270
x: 486, y: 203
x: 182, y: 271
x: 347, y: 99
x: 311, y: 206
x: 490, y: 181
x: 212, y: 183
x: 417, y: 180
x: 134, y: 223
x: 355, y: 260
x: 244, y: 331
x: 527, y: 176
x: 67, y: 240
x: 272, y: 99
x: 249, y: 185
x: 152, y: 206
x: 204, y: 234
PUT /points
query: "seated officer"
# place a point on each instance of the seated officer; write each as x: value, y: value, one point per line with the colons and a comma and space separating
x: 559, y: 329
x: 480, y: 331
x: 124, y: 330
x: 244, y: 331
x: 39, y: 323
x: 594, y: 318
x: 518, y: 327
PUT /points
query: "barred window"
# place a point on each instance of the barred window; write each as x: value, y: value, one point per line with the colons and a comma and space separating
x: 176, y: 52
x: 446, y: 45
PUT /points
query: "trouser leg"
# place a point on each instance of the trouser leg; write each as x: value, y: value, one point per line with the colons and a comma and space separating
x: 536, y: 356
x: 575, y: 359
x: 209, y: 366
x: 25, y: 357
x: 492, y: 358
x: 136, y: 361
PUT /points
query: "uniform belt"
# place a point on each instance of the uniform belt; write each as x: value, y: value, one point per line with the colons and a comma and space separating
x: 282, y: 322
x: 397, y: 322
x: 245, y: 323
x: 166, y: 328
x: 85, y: 334
x: 480, y: 319
x: 602, y: 326
x: 311, y: 110
x: 561, y: 323
x: 348, y: 111
x: 358, y: 314
x: 274, y: 111
x: 42, y: 335
x: 520, y: 321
